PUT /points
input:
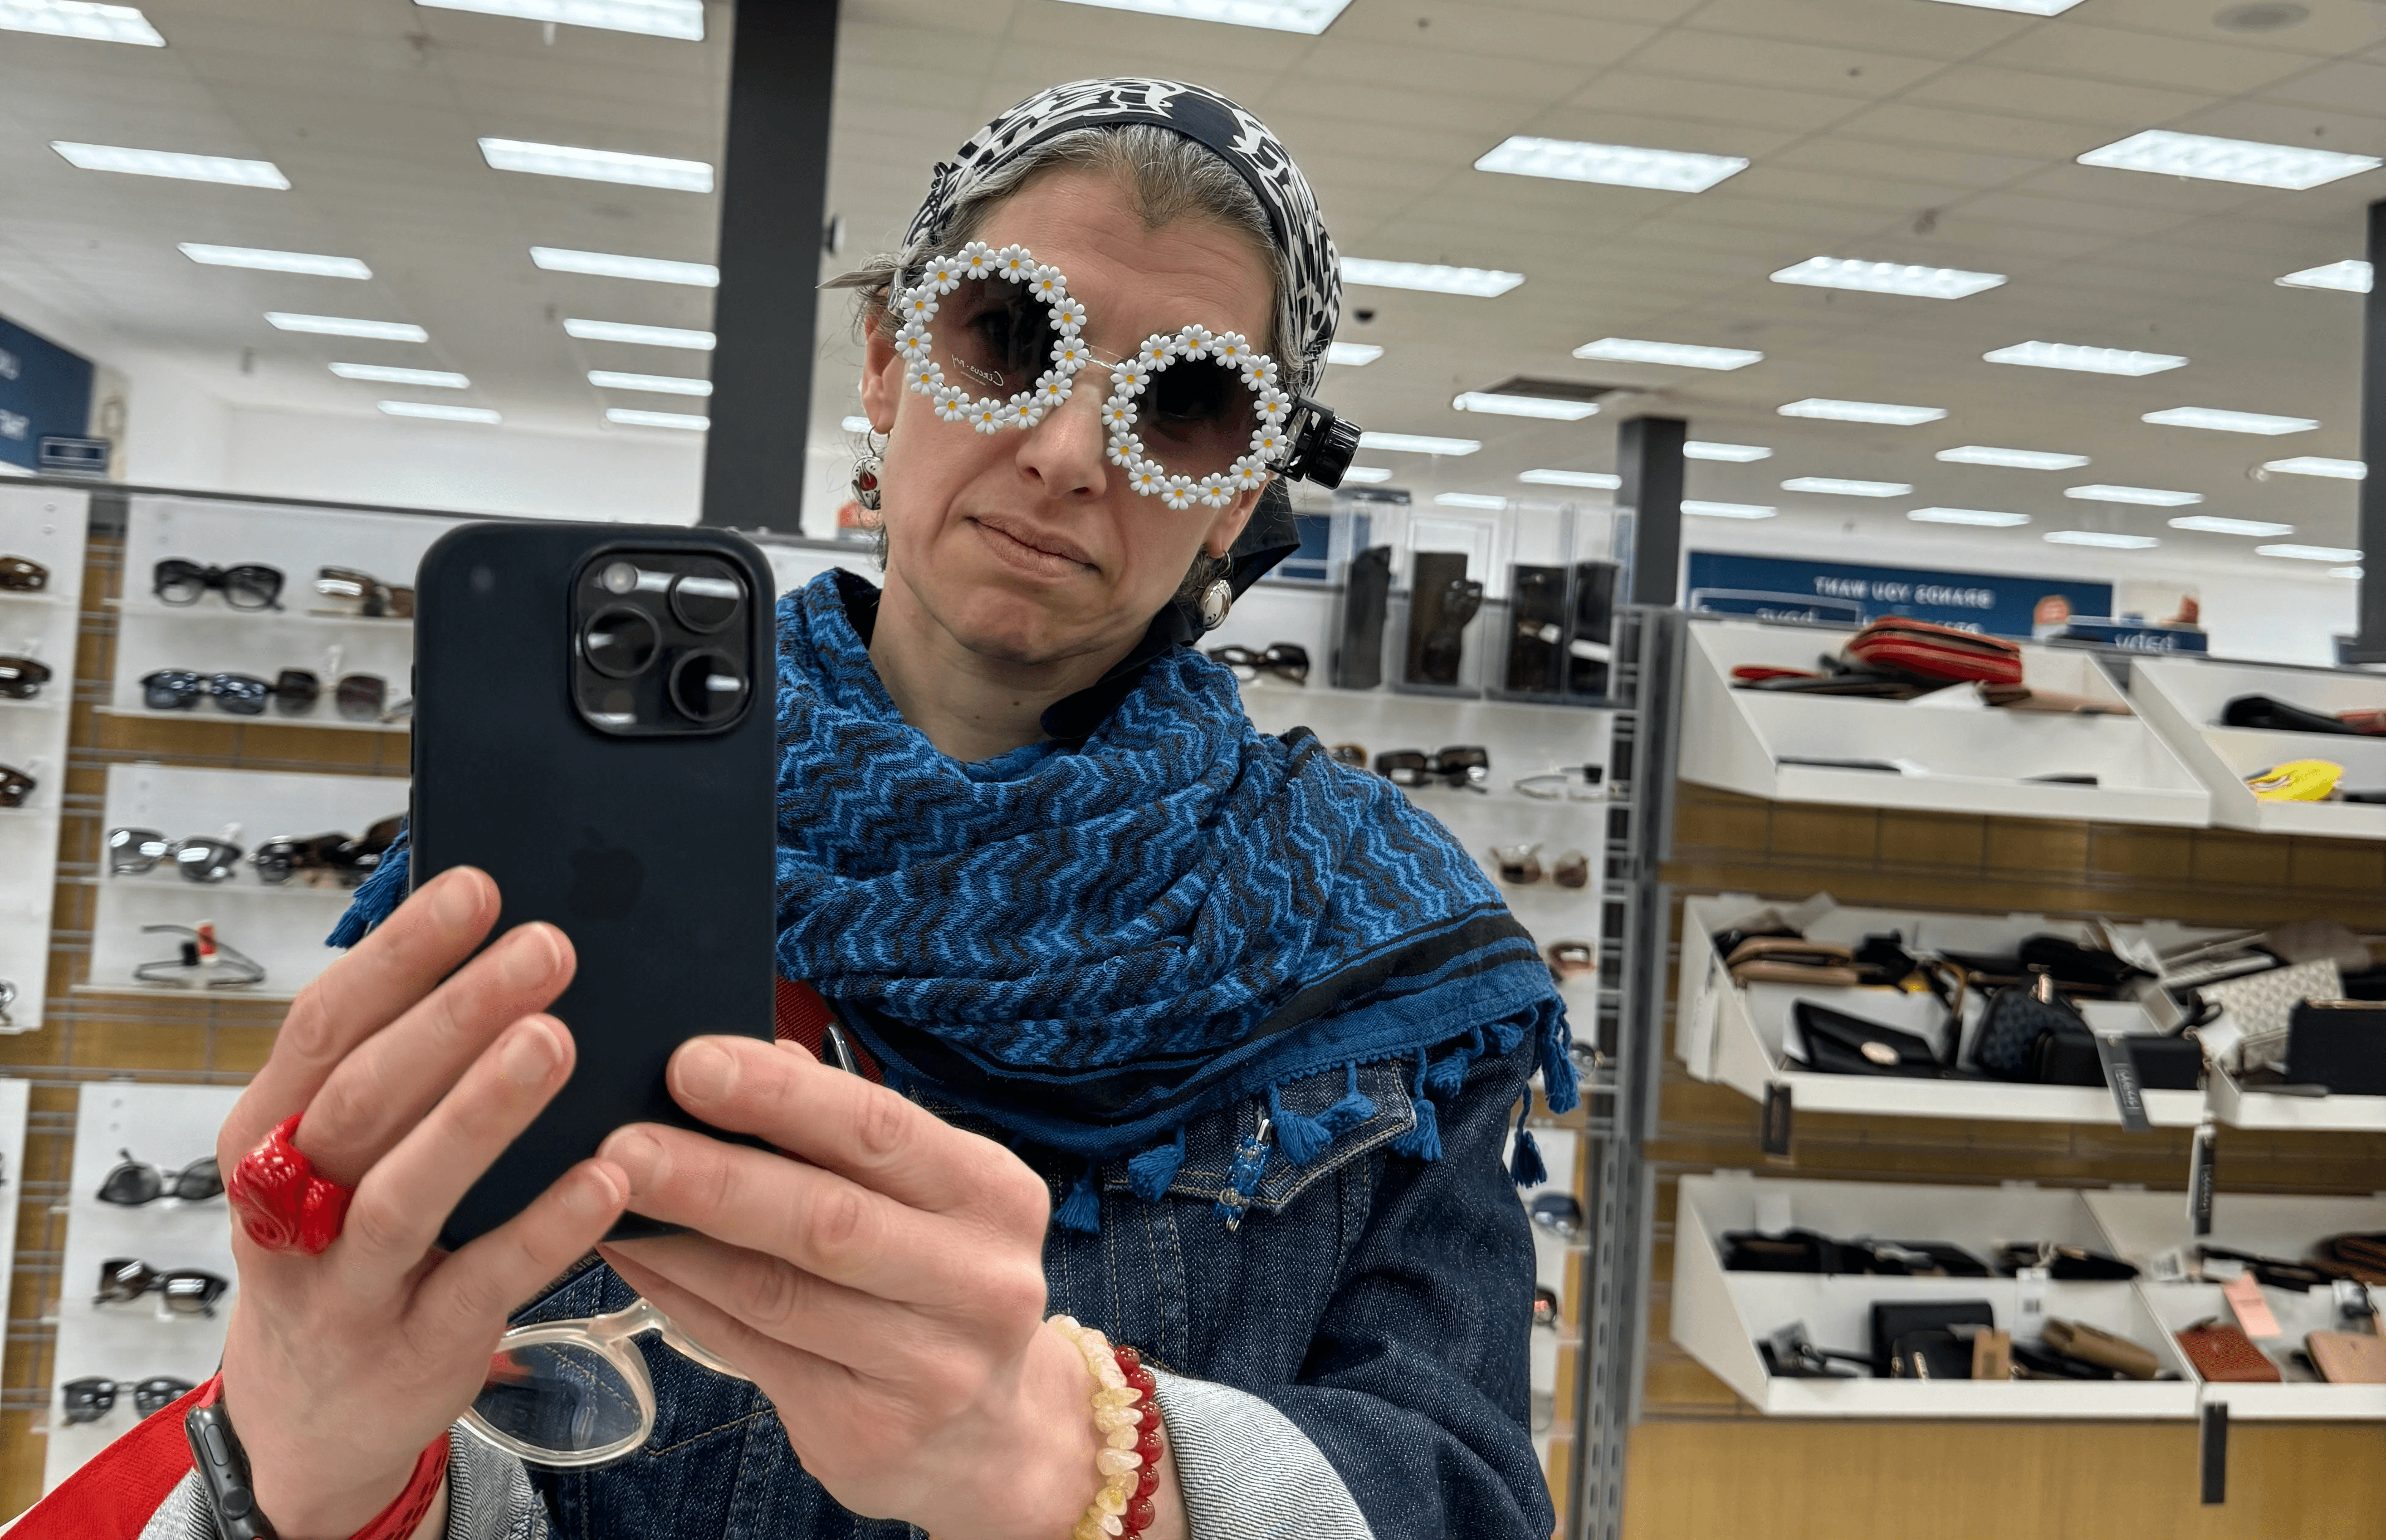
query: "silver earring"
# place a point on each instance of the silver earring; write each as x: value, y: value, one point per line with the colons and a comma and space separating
x: 1216, y: 601
x: 865, y: 478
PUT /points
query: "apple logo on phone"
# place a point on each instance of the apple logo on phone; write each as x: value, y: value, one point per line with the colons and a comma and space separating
x: 605, y: 879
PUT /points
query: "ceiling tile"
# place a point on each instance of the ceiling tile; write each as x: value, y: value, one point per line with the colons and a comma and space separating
x: 2057, y: 96
x: 2346, y: 86
x: 1673, y: 97
x: 1766, y: 62
x: 1918, y: 163
x: 1908, y: 122
x: 2068, y: 47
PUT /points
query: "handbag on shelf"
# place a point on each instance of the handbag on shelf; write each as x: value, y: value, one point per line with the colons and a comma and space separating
x: 1919, y: 649
x: 2266, y: 715
x: 2261, y: 1006
x: 2021, y: 698
x: 2016, y: 1019
x: 1895, y: 1320
x: 2065, y: 1264
x: 2069, y: 1056
x: 2033, y: 1361
x: 1791, y: 1251
x: 2369, y: 721
x: 2339, y: 1044
x: 1791, y: 959
x: 2077, y: 1339
x: 1934, y: 1353
x: 2225, y: 1355
x: 1758, y: 673
x: 2356, y: 1255
x: 2078, y: 970
x: 2348, y: 1358
x: 1839, y: 1044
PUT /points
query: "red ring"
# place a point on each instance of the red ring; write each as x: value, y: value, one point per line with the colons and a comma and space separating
x: 282, y: 1203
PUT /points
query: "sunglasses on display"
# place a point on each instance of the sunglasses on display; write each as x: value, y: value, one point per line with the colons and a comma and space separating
x: 1285, y: 660
x: 202, y: 958
x: 15, y: 786
x: 1546, y: 1312
x: 183, y: 1291
x: 130, y: 1184
x: 1572, y: 958
x: 134, y: 852
x: 369, y: 595
x: 8, y: 998
x: 22, y: 575
x: 1466, y: 765
x: 347, y: 859
x: 1558, y: 1214
x: 1354, y: 755
x: 23, y: 678
x: 1521, y: 864
x: 576, y: 1392
x: 1567, y: 782
x: 247, y: 586
x: 359, y: 697
x: 89, y: 1400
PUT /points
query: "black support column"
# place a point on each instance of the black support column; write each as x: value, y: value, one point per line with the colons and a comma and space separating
x: 773, y: 203
x: 2369, y: 645
x: 1648, y: 458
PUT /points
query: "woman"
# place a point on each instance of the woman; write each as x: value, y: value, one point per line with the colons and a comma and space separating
x: 1192, y: 1033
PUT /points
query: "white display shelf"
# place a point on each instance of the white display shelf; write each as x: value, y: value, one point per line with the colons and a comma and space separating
x: 2145, y: 1228
x: 1719, y: 1316
x: 2242, y: 1107
x: 47, y: 525
x: 15, y: 1097
x: 168, y: 1127
x: 1976, y: 761
x: 281, y: 928
x: 1741, y: 1036
x: 2182, y: 699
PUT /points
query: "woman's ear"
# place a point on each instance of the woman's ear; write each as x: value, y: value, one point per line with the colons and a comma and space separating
x: 882, y: 382
x: 1228, y: 526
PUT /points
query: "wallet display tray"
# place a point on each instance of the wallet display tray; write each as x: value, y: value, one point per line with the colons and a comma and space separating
x: 2182, y: 699
x: 1974, y: 761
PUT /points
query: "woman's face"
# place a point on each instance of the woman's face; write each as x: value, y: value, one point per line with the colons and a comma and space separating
x: 1027, y: 545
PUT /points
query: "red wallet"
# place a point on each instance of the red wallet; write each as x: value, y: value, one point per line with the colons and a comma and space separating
x: 1922, y: 650
x: 2223, y: 1354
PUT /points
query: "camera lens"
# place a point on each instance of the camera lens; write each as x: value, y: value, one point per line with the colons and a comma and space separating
x: 705, y: 687
x: 620, y: 641
x: 705, y: 598
x: 620, y: 576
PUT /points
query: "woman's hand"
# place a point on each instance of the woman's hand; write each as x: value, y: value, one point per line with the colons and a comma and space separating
x: 339, y: 1369
x: 885, y: 1288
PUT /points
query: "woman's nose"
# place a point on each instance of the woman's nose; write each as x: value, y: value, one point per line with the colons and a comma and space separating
x: 1065, y: 452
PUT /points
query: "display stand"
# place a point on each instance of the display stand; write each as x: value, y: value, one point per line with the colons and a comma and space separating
x: 1964, y: 759
x: 16, y: 1095
x: 2183, y: 699
x: 168, y: 1127
x: 45, y: 525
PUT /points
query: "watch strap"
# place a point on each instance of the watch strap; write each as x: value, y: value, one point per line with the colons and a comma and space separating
x: 222, y: 1468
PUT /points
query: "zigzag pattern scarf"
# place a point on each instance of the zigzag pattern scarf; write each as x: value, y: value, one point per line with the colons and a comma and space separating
x: 1091, y: 944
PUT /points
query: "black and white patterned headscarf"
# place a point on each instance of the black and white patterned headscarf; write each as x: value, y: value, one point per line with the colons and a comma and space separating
x: 1309, y: 312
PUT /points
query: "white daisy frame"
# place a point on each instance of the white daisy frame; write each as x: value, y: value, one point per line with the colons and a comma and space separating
x: 916, y: 306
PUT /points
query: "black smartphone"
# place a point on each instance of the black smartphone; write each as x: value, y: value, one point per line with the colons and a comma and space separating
x: 594, y: 727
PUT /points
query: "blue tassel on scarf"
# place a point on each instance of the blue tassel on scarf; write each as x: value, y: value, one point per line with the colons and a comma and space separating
x: 1151, y: 1172
x: 377, y: 897
x: 1526, y: 1166
x: 1423, y: 1141
x: 1081, y: 1209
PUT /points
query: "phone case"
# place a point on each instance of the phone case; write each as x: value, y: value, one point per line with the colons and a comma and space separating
x: 655, y: 855
x: 2348, y: 1358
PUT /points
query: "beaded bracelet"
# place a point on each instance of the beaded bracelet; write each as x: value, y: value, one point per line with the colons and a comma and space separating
x: 1126, y: 1415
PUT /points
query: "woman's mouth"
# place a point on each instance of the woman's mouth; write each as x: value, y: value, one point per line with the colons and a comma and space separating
x: 1025, y: 549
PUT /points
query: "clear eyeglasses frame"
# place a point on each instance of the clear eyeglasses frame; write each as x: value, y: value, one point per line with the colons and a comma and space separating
x: 572, y: 1394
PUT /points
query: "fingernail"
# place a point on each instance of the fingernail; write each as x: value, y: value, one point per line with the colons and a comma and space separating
x: 593, y: 1193
x: 527, y: 957
x: 458, y: 901
x: 531, y: 1053
x: 705, y: 1073
x: 640, y: 1155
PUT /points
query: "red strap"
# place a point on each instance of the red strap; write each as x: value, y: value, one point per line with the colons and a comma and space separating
x: 801, y: 1016
x: 118, y: 1489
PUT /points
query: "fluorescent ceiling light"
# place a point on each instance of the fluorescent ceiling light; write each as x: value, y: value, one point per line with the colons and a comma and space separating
x: 644, y: 336
x: 1614, y: 165
x: 1888, y: 278
x: 1469, y: 500
x: 438, y: 379
x: 662, y: 384
x: 2019, y: 460
x: 1987, y: 518
x: 1634, y: 350
x: 2208, y: 523
x: 649, y: 270
x: 628, y: 418
x: 2218, y: 422
x: 172, y: 163
x: 1419, y: 444
x: 2313, y: 465
x: 1885, y: 412
x: 1523, y: 406
x: 679, y: 19
x: 2099, y: 537
x: 1311, y: 16
x: 274, y: 261
x: 2246, y: 161
x: 1737, y: 453
x: 1367, y: 475
x: 855, y: 424
x: 2308, y: 553
x: 79, y: 19
x: 1605, y: 481
x: 2023, y: 7
x: 2351, y: 275
x: 2087, y: 360
x: 344, y: 326
x: 2145, y: 497
x: 438, y: 413
x: 1431, y: 277
x: 2344, y: 571
x: 569, y: 160
x: 1698, y: 509
x: 1353, y: 354
x: 1837, y: 487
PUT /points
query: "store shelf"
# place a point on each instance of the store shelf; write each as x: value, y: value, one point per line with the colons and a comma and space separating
x: 2182, y: 699
x: 208, y: 713
x: 2242, y: 1107
x: 47, y: 525
x: 1977, y: 760
x: 1719, y: 1316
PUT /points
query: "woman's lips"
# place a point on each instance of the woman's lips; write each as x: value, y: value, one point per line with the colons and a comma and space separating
x: 1030, y: 549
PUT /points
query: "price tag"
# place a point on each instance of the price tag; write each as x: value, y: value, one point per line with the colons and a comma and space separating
x: 2029, y: 1304
x: 2203, y: 1159
x: 1774, y: 1128
x: 2121, y: 1078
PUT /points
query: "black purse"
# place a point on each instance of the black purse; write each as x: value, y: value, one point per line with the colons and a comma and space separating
x: 2068, y: 1264
x: 2339, y: 1044
x: 1839, y: 1044
x: 1893, y: 1321
x: 2016, y: 1019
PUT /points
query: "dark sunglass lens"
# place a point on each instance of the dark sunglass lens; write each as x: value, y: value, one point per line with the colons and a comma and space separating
x: 361, y: 696
x: 87, y: 1400
x: 122, y: 1278
x: 294, y: 691
x: 170, y: 689
x: 207, y: 861
x: 252, y: 587
x: 156, y: 1395
x: 23, y: 576
x: 620, y: 641
x: 706, y: 598
x: 242, y: 695
x: 177, y: 582
x: 23, y: 678
x: 131, y: 1185
x: 199, y: 1182
x: 15, y: 786
x: 133, y: 851
x: 383, y: 834
x: 191, y: 1293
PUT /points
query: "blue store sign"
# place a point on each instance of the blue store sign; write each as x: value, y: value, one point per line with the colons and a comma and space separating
x: 45, y: 393
x: 1785, y: 588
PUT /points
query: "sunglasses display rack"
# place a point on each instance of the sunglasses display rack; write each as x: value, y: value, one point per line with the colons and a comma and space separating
x: 1947, y: 752
x: 280, y: 927
x: 41, y: 528
x: 2184, y: 698
x: 15, y: 1098
x: 1557, y: 1266
x: 1721, y: 1316
x: 168, y: 1127
x: 223, y: 628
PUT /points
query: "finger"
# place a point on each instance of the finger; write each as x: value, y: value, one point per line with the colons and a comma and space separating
x: 476, y: 1289
x: 841, y: 1123
x: 362, y: 992
x: 781, y: 1303
x: 393, y: 1078
x: 407, y: 1196
x: 720, y: 1329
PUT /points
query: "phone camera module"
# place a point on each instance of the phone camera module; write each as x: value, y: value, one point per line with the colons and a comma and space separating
x: 707, y: 599
x: 707, y: 687
x: 619, y: 577
x: 620, y: 641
